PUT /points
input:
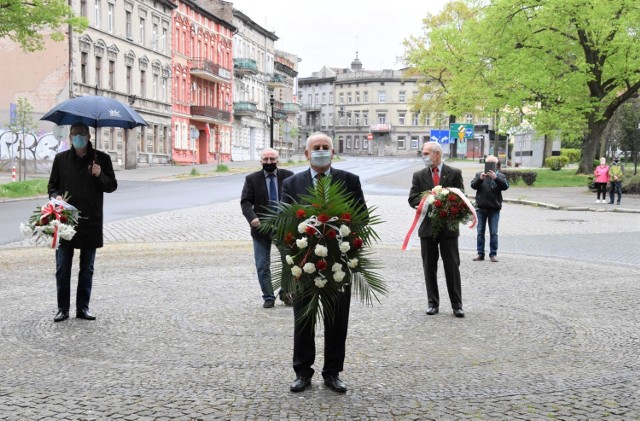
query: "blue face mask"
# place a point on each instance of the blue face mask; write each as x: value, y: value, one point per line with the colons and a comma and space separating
x: 79, y: 141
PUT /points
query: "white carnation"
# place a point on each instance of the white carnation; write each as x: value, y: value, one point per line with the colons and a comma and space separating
x: 296, y: 271
x: 66, y: 232
x: 353, y: 262
x: 444, y: 192
x: 345, y: 246
x: 321, y: 250
x: 344, y: 230
x: 320, y: 283
x: 309, y: 267
x: 302, y: 243
x: 302, y: 227
x: 339, y: 276
x: 289, y: 259
x: 26, y: 230
x: 336, y: 267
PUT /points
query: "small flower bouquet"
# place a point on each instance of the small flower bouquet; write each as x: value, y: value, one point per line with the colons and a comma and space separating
x: 55, y: 219
x: 327, y: 237
x: 448, y: 207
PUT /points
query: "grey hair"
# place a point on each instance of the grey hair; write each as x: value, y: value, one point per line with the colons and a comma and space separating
x: 319, y: 134
x: 269, y: 150
x: 435, y: 146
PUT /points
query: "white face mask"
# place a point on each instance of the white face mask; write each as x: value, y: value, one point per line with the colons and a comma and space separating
x: 427, y: 160
x: 320, y: 158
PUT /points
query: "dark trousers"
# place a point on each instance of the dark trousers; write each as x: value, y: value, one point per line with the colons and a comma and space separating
x: 335, y: 338
x: 616, y: 187
x: 447, y: 247
x: 601, y: 188
x: 64, y: 262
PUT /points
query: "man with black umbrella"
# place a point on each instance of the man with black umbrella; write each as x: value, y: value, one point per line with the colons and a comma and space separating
x: 83, y: 174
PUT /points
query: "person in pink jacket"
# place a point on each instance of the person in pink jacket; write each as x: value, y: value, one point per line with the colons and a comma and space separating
x: 601, y: 178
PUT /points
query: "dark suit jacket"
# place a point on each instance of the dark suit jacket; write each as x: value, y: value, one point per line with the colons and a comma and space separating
x: 255, y: 196
x: 422, y: 181
x: 299, y: 184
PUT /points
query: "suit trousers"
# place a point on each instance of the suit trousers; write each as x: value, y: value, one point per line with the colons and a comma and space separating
x: 447, y: 247
x: 335, y: 338
x: 64, y: 260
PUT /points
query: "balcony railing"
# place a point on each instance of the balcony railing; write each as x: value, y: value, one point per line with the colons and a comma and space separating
x: 244, y: 66
x: 206, y: 69
x: 290, y: 108
x: 209, y: 114
x: 244, y: 108
x: 310, y: 107
x: 279, y: 115
x: 278, y: 81
x: 378, y: 128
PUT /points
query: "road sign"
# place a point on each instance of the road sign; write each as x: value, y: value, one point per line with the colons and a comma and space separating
x: 440, y: 136
x: 461, y: 132
x: 370, y: 136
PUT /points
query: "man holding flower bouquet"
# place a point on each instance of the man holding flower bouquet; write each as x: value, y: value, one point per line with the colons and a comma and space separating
x: 319, y: 151
x: 436, y: 239
x: 82, y: 174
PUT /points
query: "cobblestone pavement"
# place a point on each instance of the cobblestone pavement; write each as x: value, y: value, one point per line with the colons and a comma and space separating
x: 551, y: 331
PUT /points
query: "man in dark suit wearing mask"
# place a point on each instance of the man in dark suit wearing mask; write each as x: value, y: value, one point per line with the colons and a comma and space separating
x: 319, y: 151
x: 261, y: 190
x: 437, y: 173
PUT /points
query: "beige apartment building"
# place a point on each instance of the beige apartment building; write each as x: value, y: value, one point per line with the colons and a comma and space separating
x: 124, y: 54
x: 285, y: 108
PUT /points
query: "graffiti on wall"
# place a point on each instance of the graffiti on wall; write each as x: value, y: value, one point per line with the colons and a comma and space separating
x: 38, y: 147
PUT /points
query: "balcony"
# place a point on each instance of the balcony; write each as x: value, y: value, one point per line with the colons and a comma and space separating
x: 290, y: 108
x: 210, y: 114
x: 278, y: 81
x: 244, y: 66
x: 380, y: 128
x: 279, y: 115
x: 208, y: 70
x: 310, y: 108
x: 244, y: 109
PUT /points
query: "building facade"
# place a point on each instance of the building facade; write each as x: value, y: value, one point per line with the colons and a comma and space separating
x: 253, y: 66
x: 283, y: 89
x: 202, y: 81
x: 316, y: 96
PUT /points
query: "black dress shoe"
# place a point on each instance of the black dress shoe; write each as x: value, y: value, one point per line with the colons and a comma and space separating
x: 300, y: 384
x: 432, y: 310
x: 268, y: 304
x: 458, y: 312
x: 334, y: 383
x: 85, y: 314
x: 62, y: 315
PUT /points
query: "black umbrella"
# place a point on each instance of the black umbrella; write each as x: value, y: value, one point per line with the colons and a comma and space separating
x: 94, y: 111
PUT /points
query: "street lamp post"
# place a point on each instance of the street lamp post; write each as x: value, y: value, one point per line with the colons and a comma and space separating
x: 271, y: 101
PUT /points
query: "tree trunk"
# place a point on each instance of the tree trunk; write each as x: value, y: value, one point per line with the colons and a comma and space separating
x: 591, y: 144
x: 548, y: 148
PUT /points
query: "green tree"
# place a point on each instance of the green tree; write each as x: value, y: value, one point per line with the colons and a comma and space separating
x: 21, y: 127
x: 25, y: 21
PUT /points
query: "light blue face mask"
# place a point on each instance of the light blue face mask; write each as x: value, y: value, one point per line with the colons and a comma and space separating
x: 427, y: 160
x: 320, y: 158
x: 79, y: 141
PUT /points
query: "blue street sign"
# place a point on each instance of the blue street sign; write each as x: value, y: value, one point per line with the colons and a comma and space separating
x: 440, y: 136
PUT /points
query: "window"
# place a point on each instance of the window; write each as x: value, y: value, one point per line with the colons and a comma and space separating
x: 83, y: 67
x: 110, y: 18
x: 154, y: 37
x: 142, y: 23
x: 154, y: 93
x: 356, y: 142
x: 98, y: 71
x: 128, y: 24
x: 348, y: 142
x: 366, y: 96
x: 358, y: 97
x: 310, y: 97
x: 469, y: 118
x: 129, y: 81
x: 427, y: 120
x: 401, y: 96
x: 96, y: 14
x: 357, y: 114
x: 382, y: 118
x: 83, y: 8
x: 317, y: 99
x: 341, y: 119
x: 341, y: 98
x: 414, y: 142
x: 401, y: 118
x: 348, y: 119
x: 382, y: 96
x: 330, y: 97
x: 331, y: 118
x: 349, y: 98
x: 164, y: 89
x: 112, y: 75
x: 414, y: 121
x: 401, y: 142
x: 163, y: 41
x: 365, y: 143
x: 365, y: 118
x: 143, y: 84
x: 324, y: 97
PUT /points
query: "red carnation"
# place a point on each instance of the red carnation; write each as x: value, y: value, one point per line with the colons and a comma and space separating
x: 288, y: 238
x: 300, y: 213
x: 321, y: 264
x: 310, y: 230
x: 331, y: 234
x: 63, y: 219
x: 452, y: 198
x: 437, y: 203
x: 443, y: 214
x: 454, y: 210
x: 323, y: 217
x: 346, y: 216
x: 357, y: 243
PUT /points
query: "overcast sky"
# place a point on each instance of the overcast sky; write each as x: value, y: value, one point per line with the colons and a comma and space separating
x: 328, y: 32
